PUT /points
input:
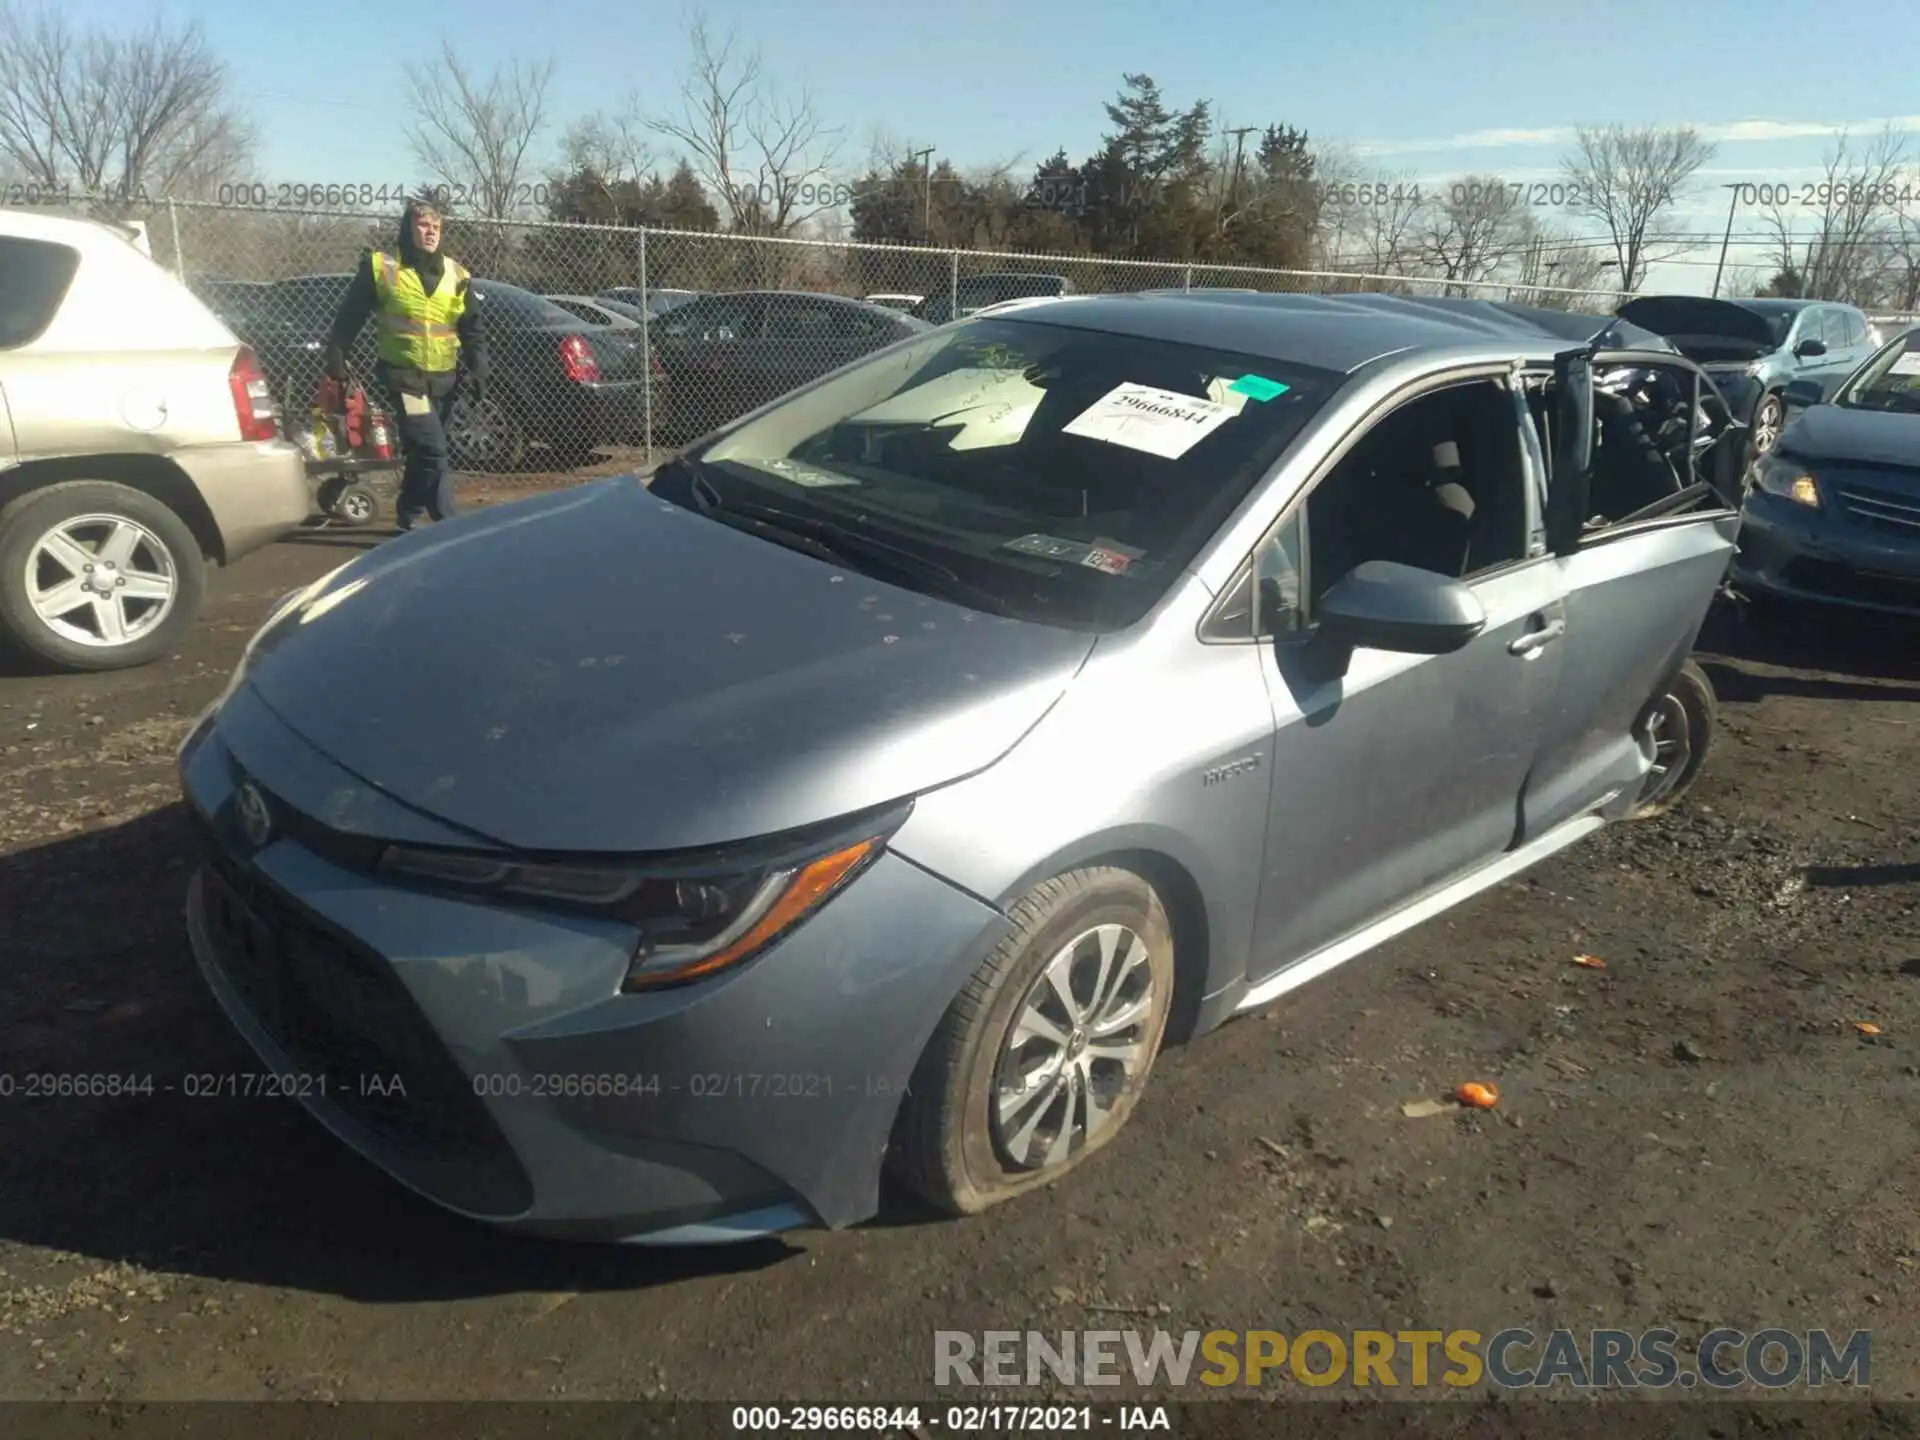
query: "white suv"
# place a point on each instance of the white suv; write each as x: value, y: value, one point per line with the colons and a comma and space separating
x: 138, y: 444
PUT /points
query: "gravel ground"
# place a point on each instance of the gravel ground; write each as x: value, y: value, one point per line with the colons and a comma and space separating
x: 1695, y: 1135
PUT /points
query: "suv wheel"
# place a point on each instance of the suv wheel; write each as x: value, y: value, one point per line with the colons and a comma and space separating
x: 97, y: 576
x: 1042, y: 1057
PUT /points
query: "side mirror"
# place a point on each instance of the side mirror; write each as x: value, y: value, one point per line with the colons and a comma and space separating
x: 1802, y: 393
x: 1381, y: 605
x: 1810, y: 349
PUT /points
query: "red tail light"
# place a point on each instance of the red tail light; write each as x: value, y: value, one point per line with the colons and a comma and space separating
x: 577, y: 358
x: 252, y: 402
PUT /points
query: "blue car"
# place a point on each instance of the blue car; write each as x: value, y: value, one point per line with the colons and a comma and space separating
x: 1833, y: 514
x: 881, y: 785
x: 1755, y: 349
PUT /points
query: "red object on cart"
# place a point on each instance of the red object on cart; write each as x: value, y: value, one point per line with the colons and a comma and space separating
x: 360, y: 427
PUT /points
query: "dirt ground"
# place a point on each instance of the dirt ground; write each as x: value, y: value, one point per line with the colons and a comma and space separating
x: 1696, y: 1135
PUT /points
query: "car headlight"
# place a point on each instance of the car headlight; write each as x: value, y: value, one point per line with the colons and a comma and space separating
x: 694, y: 921
x: 1790, y: 481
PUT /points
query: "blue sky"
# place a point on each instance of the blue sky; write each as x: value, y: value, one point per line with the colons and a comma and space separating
x: 1488, y: 86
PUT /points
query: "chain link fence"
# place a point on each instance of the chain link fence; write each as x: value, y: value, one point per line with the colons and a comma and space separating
x: 612, y: 345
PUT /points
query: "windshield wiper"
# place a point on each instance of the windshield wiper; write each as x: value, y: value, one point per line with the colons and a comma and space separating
x: 832, y: 536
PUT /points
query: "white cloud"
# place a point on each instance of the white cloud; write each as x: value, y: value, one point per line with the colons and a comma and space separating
x: 1731, y: 132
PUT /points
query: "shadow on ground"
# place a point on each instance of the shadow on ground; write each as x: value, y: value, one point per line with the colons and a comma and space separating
x: 1875, y: 655
x: 102, y: 984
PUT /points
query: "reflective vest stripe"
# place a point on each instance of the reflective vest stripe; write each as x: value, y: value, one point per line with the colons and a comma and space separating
x: 418, y: 330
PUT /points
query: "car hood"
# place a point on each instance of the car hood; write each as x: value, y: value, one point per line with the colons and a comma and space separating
x: 1716, y: 329
x: 1835, y: 434
x: 600, y: 670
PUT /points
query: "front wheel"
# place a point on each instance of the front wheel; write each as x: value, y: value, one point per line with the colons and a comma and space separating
x: 1041, y: 1058
x: 97, y: 576
x: 1769, y: 418
x: 1678, y: 729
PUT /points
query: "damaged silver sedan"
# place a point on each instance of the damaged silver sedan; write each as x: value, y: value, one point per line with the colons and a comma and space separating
x: 884, y: 785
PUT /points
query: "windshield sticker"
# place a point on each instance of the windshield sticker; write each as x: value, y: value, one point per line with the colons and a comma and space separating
x: 1159, y: 422
x: 1108, y: 556
x: 1907, y: 364
x: 1257, y: 387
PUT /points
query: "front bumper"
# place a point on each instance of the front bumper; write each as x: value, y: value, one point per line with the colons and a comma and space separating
x: 256, y: 491
x: 1830, y: 556
x: 486, y: 1058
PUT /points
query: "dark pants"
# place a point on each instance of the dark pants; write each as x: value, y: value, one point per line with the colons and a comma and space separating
x: 426, y: 482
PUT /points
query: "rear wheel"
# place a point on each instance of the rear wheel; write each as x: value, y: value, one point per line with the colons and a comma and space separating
x: 1040, y: 1060
x: 1678, y: 729
x: 97, y: 576
x: 486, y: 437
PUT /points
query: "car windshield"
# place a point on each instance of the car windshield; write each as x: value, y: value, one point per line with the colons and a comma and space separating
x: 521, y: 305
x: 1063, y: 475
x: 1889, y: 381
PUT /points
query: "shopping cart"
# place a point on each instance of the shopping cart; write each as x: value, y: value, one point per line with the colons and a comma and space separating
x: 348, y: 442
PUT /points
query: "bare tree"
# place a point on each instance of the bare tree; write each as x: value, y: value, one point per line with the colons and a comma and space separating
x: 1369, y: 220
x: 1743, y: 281
x: 122, y: 116
x: 1626, y: 180
x: 766, y: 156
x: 1473, y: 229
x: 1560, y: 271
x: 1854, y: 217
x: 475, y: 136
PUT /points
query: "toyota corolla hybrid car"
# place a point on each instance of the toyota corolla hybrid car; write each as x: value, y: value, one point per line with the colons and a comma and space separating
x: 883, y: 786
x: 1833, y: 515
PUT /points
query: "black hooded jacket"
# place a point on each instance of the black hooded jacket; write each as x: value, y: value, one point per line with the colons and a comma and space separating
x: 362, y: 299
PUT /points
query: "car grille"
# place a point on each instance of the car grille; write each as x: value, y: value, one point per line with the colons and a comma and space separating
x: 1892, y: 511
x: 337, y: 1010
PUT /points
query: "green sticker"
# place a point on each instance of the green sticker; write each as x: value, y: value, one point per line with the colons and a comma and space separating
x: 1257, y: 387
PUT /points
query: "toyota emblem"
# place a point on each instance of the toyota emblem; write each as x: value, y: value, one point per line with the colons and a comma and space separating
x: 255, y: 819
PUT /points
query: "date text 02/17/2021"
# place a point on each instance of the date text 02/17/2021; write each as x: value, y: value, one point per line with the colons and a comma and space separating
x: 952, y: 1419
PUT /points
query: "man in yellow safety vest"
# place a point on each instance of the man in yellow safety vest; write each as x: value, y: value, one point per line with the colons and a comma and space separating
x: 430, y: 348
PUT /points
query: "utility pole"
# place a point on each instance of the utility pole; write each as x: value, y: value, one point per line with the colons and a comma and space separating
x: 1239, y: 144
x: 925, y: 157
x: 1726, y: 239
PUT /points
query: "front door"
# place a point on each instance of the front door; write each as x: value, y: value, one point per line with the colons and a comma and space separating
x: 1637, y: 592
x: 1407, y: 772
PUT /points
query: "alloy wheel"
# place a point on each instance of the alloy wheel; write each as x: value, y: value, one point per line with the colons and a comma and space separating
x: 1670, y: 733
x: 1766, y: 426
x: 101, y: 580
x: 1079, y: 1043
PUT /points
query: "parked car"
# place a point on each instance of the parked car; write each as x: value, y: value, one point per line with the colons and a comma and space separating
x: 721, y: 356
x: 976, y: 292
x: 609, y: 315
x: 137, y: 446
x: 654, y: 302
x: 895, y: 301
x: 556, y: 380
x: 849, y: 796
x: 1755, y: 348
x: 1833, y: 517
x: 237, y: 302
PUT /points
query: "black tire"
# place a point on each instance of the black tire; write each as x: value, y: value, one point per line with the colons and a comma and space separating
x: 945, y: 1146
x: 505, y: 448
x: 1688, y: 700
x: 35, y: 515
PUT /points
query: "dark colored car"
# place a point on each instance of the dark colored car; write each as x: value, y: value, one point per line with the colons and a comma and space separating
x: 721, y: 356
x: 976, y: 292
x: 1834, y: 513
x: 237, y: 302
x: 1754, y: 349
x: 556, y: 380
x: 653, y: 302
